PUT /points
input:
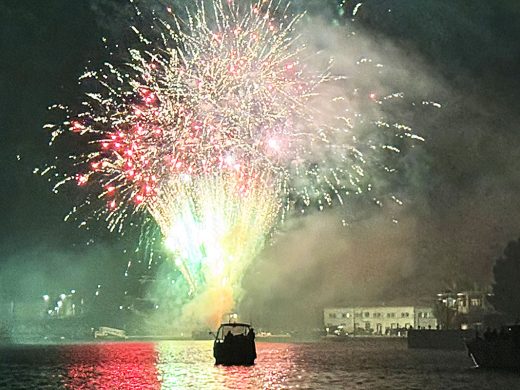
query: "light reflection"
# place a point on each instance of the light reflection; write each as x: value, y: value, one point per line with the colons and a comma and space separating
x: 184, y: 364
x: 113, y: 366
x: 174, y: 365
x: 354, y: 363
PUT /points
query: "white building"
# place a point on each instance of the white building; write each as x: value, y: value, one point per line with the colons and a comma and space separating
x: 379, y: 320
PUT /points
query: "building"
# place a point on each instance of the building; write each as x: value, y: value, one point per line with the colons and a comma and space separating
x: 464, y: 309
x: 377, y: 320
x: 471, y: 301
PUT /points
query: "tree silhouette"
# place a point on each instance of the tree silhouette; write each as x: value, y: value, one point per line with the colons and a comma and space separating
x: 506, y: 289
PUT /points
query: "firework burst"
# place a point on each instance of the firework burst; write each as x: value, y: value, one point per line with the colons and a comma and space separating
x: 212, y: 132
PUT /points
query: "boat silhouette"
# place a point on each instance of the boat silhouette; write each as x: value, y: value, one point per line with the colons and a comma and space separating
x: 234, y: 344
x: 497, y: 350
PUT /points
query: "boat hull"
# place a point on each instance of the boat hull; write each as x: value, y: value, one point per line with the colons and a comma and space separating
x: 495, y: 354
x: 235, y: 345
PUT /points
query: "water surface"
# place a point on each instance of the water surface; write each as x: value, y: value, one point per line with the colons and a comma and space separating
x: 353, y: 364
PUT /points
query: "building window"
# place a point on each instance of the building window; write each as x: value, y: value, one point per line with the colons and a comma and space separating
x: 332, y: 315
x: 475, y: 302
x: 367, y: 314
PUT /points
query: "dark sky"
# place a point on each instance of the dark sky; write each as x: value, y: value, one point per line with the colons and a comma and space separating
x: 462, y: 204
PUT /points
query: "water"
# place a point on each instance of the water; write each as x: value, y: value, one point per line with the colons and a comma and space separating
x: 352, y: 364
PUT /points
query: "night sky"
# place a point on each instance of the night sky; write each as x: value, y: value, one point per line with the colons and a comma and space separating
x: 462, y: 204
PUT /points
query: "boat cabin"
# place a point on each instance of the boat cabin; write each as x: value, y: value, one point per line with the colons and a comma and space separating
x: 234, y: 344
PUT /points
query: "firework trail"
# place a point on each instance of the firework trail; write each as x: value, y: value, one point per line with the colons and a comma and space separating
x: 212, y: 132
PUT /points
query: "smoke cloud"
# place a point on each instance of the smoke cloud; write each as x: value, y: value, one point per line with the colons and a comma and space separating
x: 459, y: 187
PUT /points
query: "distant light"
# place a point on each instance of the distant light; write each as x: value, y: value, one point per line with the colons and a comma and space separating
x: 120, y: 307
x: 63, y: 296
x: 45, y: 297
x: 73, y: 291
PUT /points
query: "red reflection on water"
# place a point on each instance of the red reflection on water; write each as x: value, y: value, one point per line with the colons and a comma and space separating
x: 112, y: 366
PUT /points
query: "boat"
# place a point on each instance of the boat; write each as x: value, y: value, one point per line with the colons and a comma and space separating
x: 497, y: 350
x: 447, y: 339
x: 105, y: 332
x: 234, y: 345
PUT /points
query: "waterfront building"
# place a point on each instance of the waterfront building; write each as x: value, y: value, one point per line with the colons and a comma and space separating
x: 377, y: 320
x: 465, y: 309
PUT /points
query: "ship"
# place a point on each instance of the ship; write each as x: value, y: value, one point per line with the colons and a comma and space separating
x: 497, y: 350
x: 447, y: 339
x: 234, y: 345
